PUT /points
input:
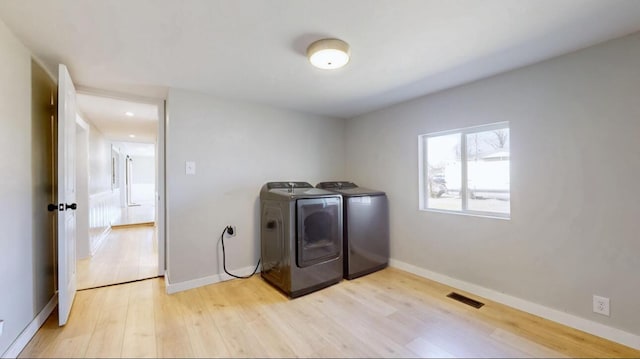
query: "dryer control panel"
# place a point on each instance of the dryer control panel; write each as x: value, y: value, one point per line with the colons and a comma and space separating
x: 336, y: 185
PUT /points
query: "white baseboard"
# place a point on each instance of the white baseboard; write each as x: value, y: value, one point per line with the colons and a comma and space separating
x: 23, y: 339
x: 567, y: 319
x: 201, y: 282
x: 100, y: 240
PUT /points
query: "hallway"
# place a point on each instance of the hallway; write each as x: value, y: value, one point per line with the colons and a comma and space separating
x: 138, y: 214
x: 127, y: 254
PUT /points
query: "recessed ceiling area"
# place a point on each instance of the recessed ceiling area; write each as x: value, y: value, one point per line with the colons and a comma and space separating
x: 136, y: 149
x: 256, y: 50
x: 109, y: 115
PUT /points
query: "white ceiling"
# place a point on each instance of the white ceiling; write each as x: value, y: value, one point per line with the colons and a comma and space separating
x: 109, y: 116
x: 255, y: 50
x: 135, y: 149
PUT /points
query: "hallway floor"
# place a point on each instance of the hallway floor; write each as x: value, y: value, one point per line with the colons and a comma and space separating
x: 127, y: 254
x: 138, y: 214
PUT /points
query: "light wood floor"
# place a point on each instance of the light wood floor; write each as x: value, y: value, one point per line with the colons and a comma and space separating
x: 127, y: 254
x: 389, y: 313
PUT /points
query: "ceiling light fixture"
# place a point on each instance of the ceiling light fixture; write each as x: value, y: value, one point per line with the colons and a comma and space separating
x: 328, y: 54
x: 129, y: 113
x: 132, y: 136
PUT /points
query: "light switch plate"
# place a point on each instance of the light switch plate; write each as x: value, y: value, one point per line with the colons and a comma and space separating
x: 1, y: 326
x: 190, y: 168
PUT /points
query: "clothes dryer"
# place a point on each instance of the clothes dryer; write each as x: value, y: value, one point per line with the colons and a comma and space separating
x: 365, y: 228
x: 300, y: 237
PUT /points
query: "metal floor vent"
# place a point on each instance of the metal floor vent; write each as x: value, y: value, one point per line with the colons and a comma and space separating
x: 466, y: 300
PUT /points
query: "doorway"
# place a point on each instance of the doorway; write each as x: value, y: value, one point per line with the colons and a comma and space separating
x: 139, y: 184
x: 124, y: 242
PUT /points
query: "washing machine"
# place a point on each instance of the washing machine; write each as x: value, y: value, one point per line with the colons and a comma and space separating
x: 300, y: 237
x: 366, y: 228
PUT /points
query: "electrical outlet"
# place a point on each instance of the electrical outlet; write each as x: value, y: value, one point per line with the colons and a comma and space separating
x: 190, y: 168
x: 231, y: 231
x: 601, y: 305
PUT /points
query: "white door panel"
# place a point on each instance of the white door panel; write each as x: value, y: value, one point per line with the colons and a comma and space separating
x: 66, y: 194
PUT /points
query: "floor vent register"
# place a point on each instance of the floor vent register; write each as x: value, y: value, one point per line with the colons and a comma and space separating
x: 466, y: 300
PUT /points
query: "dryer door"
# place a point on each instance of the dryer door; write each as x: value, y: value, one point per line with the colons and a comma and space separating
x: 319, y: 230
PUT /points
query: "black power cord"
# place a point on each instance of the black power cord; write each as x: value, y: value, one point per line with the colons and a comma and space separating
x: 224, y: 257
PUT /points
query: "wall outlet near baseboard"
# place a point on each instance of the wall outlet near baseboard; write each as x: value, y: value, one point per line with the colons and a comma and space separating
x: 601, y: 305
x: 231, y: 231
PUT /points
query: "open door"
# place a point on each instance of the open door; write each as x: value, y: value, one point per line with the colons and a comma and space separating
x: 66, y: 193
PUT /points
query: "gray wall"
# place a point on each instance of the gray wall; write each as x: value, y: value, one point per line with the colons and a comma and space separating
x: 22, y: 294
x: 237, y: 147
x: 43, y: 184
x: 575, y: 174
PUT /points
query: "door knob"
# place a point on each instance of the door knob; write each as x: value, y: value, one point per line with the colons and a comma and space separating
x: 72, y: 206
x: 52, y: 207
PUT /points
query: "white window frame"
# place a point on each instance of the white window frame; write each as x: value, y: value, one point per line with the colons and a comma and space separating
x: 423, y: 168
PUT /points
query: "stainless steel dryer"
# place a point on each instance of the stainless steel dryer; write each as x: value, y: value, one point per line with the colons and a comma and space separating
x: 300, y: 237
x: 366, y: 228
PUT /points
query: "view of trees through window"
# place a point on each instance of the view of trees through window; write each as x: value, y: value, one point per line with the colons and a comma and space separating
x: 468, y: 170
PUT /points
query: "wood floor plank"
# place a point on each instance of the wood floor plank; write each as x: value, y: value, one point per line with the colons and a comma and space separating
x: 42, y: 343
x: 139, y: 331
x: 126, y: 254
x: 73, y: 338
x: 172, y: 339
x: 389, y: 313
x: 271, y: 339
x: 232, y: 320
x: 70, y: 347
x: 303, y: 340
x: 424, y: 349
x: 108, y: 336
x: 531, y: 348
x: 106, y: 341
x: 360, y: 322
x: 204, y: 335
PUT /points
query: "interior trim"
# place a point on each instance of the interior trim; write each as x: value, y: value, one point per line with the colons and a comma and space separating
x: 591, y: 327
x: 30, y: 331
x: 201, y: 282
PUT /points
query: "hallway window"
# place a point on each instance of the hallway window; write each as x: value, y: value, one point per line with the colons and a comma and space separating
x: 466, y: 171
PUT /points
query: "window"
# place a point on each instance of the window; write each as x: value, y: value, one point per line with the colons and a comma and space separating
x: 466, y: 171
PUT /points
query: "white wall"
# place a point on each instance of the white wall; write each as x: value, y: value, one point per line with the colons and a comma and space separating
x: 17, y: 301
x: 104, y: 202
x: 575, y: 175
x: 237, y: 147
x: 99, y: 160
x: 143, y: 179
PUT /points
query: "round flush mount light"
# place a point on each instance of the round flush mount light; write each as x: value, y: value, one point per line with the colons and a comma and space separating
x: 328, y: 54
x: 129, y: 113
x: 132, y: 136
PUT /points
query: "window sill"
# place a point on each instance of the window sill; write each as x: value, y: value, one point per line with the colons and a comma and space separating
x: 506, y: 217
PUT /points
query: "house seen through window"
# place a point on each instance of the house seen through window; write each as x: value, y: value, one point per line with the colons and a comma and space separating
x: 466, y: 171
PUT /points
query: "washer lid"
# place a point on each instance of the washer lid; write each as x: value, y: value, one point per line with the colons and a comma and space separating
x: 292, y: 190
x: 337, y: 185
x: 348, y: 189
x: 286, y: 185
